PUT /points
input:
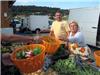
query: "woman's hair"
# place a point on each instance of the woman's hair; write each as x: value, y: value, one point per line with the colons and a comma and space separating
x: 74, y: 23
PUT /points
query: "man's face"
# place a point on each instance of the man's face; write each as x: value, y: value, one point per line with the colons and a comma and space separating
x: 58, y: 16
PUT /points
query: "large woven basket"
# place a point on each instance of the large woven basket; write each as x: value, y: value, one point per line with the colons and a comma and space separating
x: 97, y: 57
x: 31, y: 64
x: 51, y: 48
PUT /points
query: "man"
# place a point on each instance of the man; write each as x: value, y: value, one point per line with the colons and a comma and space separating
x: 59, y: 28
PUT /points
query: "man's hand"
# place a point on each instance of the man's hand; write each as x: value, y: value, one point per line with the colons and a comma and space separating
x: 38, y: 39
x: 63, y: 38
x: 52, y: 33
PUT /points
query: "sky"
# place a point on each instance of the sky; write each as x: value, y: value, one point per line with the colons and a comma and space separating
x: 63, y: 4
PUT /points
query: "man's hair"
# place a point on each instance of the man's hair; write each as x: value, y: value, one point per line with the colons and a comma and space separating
x: 58, y: 11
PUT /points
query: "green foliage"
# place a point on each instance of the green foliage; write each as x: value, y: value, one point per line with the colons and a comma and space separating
x: 86, y: 71
x: 64, y: 66
x: 68, y: 67
x: 38, y: 10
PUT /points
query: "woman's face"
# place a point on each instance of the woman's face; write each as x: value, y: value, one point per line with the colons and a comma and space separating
x: 73, y: 27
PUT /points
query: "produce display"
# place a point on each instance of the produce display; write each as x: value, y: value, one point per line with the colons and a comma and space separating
x: 5, y: 49
x: 9, y: 47
x: 29, y: 53
x: 65, y: 66
x: 29, y: 58
x: 84, y: 51
x: 70, y: 67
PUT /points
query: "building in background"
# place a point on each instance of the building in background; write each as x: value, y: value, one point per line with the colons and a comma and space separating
x: 6, y: 13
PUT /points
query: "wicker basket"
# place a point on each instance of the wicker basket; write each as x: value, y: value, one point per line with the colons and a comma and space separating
x: 51, y: 48
x: 97, y: 57
x: 31, y: 64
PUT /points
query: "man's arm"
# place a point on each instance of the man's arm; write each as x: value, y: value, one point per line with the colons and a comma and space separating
x: 5, y: 37
x: 67, y: 28
x: 51, y: 31
x: 15, y: 38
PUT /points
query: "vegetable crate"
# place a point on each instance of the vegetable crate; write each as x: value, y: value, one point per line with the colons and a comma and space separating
x: 31, y: 64
x: 51, y: 44
x: 97, y: 57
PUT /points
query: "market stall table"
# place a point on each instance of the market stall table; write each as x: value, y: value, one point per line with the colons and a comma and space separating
x: 50, y: 71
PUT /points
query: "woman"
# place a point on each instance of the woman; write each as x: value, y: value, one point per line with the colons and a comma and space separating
x: 77, y: 42
x: 75, y: 35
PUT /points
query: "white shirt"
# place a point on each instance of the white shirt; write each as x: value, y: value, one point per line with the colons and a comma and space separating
x: 77, y: 38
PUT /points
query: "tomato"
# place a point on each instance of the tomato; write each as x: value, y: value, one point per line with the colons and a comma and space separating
x: 82, y: 50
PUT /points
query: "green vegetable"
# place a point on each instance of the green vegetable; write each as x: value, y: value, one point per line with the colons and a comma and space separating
x: 65, y: 66
x: 21, y: 54
x: 36, y: 51
x: 87, y: 71
x: 68, y: 67
x: 5, y: 50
